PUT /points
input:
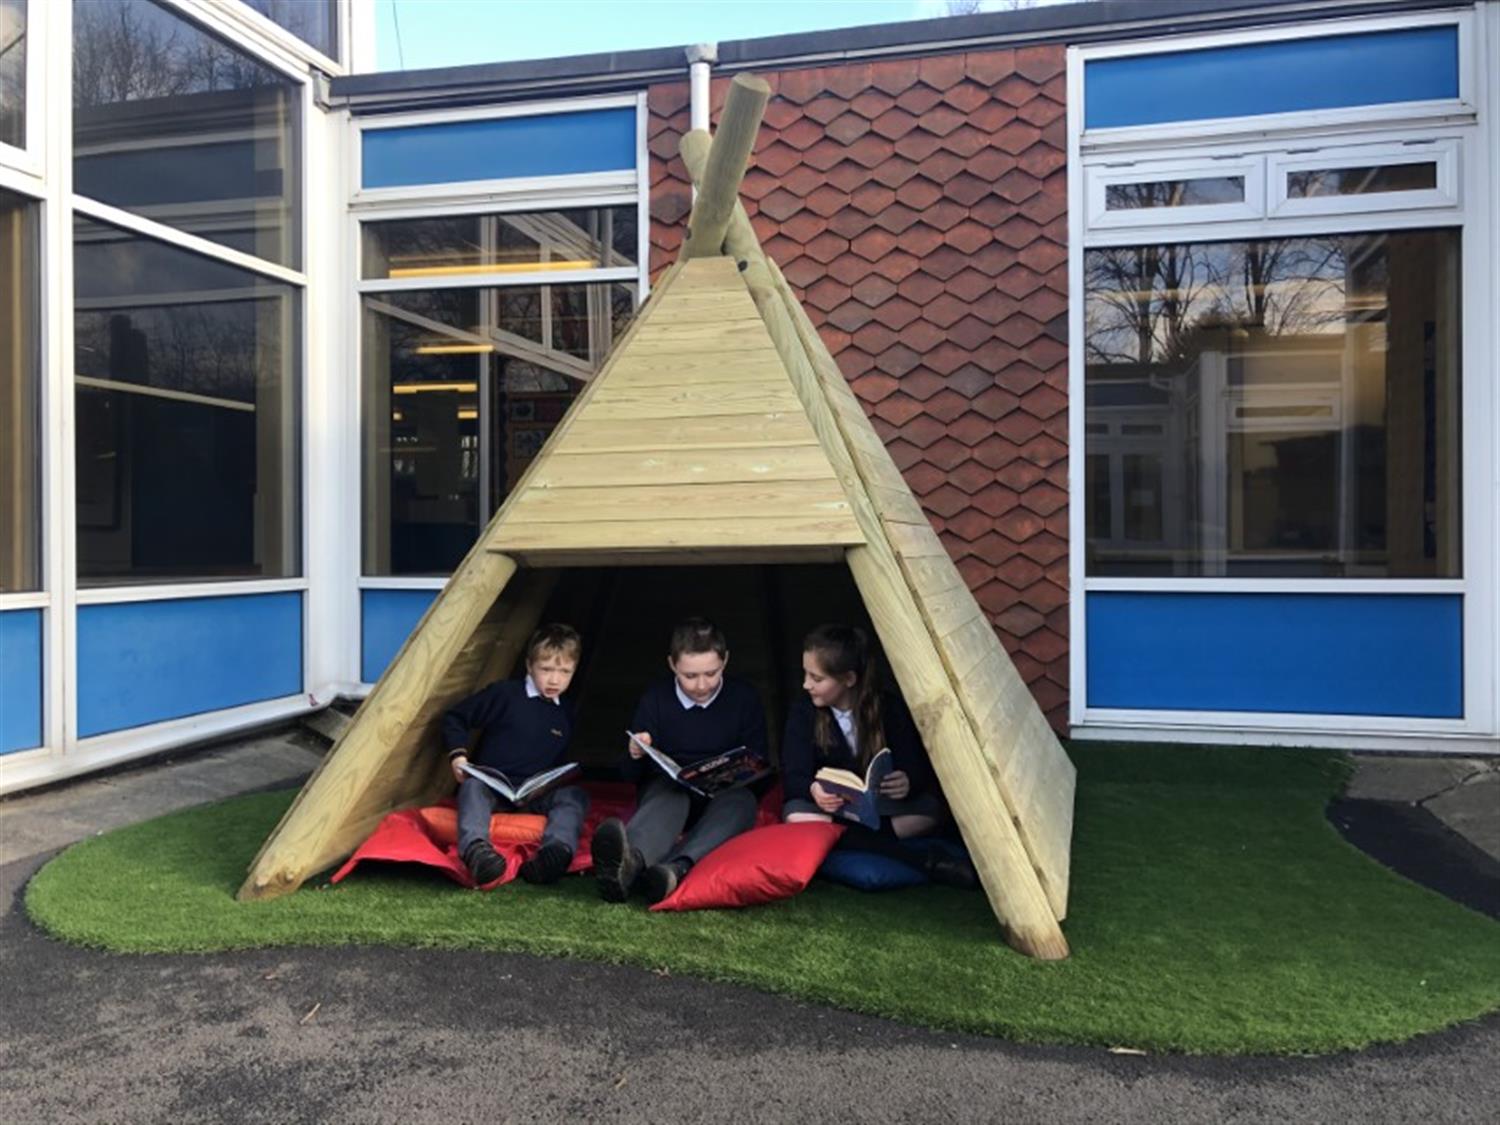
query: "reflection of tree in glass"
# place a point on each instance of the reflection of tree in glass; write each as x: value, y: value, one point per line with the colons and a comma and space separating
x: 1148, y: 304
x: 12, y: 71
x: 217, y: 349
x: 131, y: 50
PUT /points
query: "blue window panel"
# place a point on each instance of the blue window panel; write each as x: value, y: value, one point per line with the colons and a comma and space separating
x: 1328, y: 72
x: 553, y: 144
x: 1317, y: 654
x: 387, y: 618
x: 145, y: 662
x: 20, y: 680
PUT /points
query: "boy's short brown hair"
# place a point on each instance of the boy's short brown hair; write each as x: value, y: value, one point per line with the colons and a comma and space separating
x: 698, y: 634
x: 563, y: 640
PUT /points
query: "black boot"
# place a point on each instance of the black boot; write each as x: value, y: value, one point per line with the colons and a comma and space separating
x: 617, y: 865
x: 950, y: 871
x: 549, y: 864
x: 661, y: 880
x: 483, y: 862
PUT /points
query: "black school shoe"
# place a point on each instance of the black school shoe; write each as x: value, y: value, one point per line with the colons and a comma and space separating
x: 661, y: 880
x: 617, y: 865
x: 548, y: 865
x: 950, y: 871
x: 484, y: 862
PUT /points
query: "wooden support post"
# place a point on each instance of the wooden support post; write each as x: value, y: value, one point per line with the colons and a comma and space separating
x: 719, y: 190
x: 973, y: 791
x: 376, y: 766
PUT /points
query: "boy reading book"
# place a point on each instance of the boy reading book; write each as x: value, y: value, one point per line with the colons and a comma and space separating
x: 524, y: 731
x: 695, y: 714
x: 844, y: 722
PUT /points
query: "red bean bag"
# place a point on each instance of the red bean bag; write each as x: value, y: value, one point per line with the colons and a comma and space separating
x: 429, y: 835
x: 765, y: 864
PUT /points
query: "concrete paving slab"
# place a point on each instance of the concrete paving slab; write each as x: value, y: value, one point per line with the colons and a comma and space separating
x: 1472, y: 809
x: 1393, y: 777
x: 32, y: 823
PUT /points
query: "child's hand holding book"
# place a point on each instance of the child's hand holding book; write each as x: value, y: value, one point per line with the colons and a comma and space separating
x: 895, y: 785
x: 635, y: 750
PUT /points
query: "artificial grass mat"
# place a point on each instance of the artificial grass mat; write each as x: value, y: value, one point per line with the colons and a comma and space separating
x: 1213, y: 910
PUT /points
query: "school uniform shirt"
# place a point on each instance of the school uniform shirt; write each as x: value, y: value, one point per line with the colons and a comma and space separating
x: 801, y: 757
x: 522, y: 731
x: 689, y: 732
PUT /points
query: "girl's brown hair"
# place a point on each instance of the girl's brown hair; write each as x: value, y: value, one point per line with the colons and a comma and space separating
x: 839, y: 650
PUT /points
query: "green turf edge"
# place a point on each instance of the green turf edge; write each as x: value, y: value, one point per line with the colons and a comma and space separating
x: 1192, y: 980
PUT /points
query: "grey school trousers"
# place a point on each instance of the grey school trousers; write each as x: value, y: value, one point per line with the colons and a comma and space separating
x: 564, y: 809
x: 665, y: 808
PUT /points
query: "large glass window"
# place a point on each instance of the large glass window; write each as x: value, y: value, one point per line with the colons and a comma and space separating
x: 188, y: 416
x: 20, y: 385
x: 173, y: 124
x: 315, y: 22
x: 454, y: 245
x: 13, y: 73
x: 1277, y: 408
x: 461, y: 389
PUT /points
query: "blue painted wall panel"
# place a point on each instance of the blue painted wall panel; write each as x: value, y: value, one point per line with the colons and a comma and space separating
x: 387, y: 618
x: 20, y: 680
x: 1327, y: 72
x: 144, y: 662
x: 554, y: 144
x: 1337, y: 654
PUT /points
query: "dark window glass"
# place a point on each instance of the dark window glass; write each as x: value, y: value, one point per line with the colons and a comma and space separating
x: 20, y: 397
x: 1361, y: 181
x: 13, y: 72
x: 1277, y: 408
x: 454, y: 245
x: 315, y: 22
x: 461, y: 389
x: 175, y: 125
x: 188, y: 414
x: 1204, y: 192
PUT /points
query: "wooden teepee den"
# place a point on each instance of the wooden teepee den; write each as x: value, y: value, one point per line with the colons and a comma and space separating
x: 718, y: 430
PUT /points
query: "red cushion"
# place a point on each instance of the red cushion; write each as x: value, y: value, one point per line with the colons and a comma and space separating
x: 761, y: 865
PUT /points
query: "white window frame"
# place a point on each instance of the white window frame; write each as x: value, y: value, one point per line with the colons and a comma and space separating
x: 492, y: 197
x: 1466, y: 200
x: 48, y: 178
x: 251, y: 28
x: 1443, y: 153
x: 29, y: 158
x: 1351, y: 119
x: 1101, y: 177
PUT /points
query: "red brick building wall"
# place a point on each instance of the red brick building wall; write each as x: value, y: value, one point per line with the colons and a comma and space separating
x: 919, y: 206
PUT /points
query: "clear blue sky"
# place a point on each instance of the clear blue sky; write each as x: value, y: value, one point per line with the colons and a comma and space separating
x: 458, y: 32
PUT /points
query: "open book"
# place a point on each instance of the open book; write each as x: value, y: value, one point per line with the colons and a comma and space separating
x: 533, y: 786
x: 728, y: 770
x: 859, y: 793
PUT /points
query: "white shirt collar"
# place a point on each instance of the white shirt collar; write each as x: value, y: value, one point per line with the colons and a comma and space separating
x: 845, y: 720
x: 688, y: 703
x: 534, y: 692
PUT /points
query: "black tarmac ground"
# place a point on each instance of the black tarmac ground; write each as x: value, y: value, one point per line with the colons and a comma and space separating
x: 408, y: 1036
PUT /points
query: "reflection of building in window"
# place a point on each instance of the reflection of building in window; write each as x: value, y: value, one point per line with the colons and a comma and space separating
x: 463, y: 384
x: 20, y: 397
x: 13, y: 73
x: 1276, y: 408
x: 186, y: 414
x: 172, y: 124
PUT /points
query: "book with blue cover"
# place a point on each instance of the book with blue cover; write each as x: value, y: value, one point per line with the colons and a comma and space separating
x: 861, y: 794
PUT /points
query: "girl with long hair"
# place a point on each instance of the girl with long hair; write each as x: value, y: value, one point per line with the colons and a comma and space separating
x: 844, y: 718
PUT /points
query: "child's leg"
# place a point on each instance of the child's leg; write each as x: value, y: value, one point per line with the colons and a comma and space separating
x: 799, y: 810
x: 565, y: 808
x: 658, y: 818
x: 476, y: 802
x: 726, y: 816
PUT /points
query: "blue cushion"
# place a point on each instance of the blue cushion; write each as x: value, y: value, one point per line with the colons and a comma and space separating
x: 866, y: 871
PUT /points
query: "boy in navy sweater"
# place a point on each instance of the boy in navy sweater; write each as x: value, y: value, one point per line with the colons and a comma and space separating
x: 694, y: 714
x: 525, y: 728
